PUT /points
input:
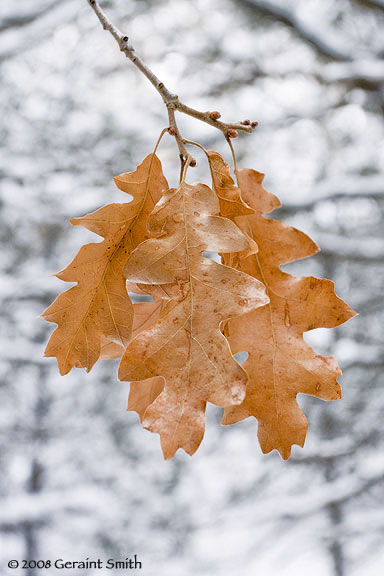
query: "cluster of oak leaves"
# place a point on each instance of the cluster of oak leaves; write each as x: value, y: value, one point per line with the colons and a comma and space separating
x: 177, y: 350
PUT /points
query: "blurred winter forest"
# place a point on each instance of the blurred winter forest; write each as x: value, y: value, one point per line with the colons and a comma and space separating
x: 79, y: 476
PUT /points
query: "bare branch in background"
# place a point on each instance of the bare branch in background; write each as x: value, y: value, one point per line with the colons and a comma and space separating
x: 366, y: 73
x: 37, y: 26
x: 355, y: 249
x: 18, y: 20
x: 171, y: 100
x: 379, y: 4
x: 322, y: 45
x: 370, y: 187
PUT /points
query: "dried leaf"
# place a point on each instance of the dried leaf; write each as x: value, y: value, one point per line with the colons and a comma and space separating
x: 186, y: 346
x: 144, y: 315
x: 142, y: 393
x: 280, y: 363
x: 97, y: 311
x: 230, y: 197
x: 231, y: 201
x: 110, y: 350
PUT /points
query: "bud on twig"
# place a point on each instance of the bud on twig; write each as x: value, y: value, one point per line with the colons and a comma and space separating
x: 232, y: 133
x: 171, y: 100
x: 193, y: 163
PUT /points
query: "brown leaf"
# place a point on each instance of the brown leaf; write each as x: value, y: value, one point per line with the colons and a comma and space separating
x: 144, y: 315
x: 97, y: 311
x: 143, y: 393
x: 231, y: 201
x: 186, y: 346
x: 280, y: 363
x: 110, y: 350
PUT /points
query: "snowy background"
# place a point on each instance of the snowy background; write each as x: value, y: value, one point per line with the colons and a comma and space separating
x: 79, y: 477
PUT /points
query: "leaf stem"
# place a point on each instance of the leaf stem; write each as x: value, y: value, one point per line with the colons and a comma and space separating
x: 187, y: 163
x: 164, y: 130
x: 233, y: 156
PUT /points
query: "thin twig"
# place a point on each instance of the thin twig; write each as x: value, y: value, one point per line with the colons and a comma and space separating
x: 174, y: 131
x: 171, y: 100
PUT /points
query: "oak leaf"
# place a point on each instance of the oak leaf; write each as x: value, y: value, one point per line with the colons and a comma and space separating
x: 280, y: 363
x: 230, y: 198
x: 143, y: 393
x: 231, y: 201
x: 97, y: 313
x: 144, y: 315
x: 186, y: 346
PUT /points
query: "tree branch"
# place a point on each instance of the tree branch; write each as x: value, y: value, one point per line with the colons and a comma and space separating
x: 171, y: 100
x: 350, y: 190
x: 356, y: 249
x: 378, y: 4
x: 19, y: 20
x: 281, y: 14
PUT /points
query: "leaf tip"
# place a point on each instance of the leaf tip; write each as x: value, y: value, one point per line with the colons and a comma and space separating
x: 75, y: 221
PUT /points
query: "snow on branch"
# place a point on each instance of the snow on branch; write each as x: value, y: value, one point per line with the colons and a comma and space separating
x: 379, y: 4
x: 359, y: 249
x: 368, y: 187
x: 310, y: 35
x: 18, y: 20
x: 368, y: 71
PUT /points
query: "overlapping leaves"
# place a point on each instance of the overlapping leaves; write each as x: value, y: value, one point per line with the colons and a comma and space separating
x: 186, y: 346
x: 177, y: 350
